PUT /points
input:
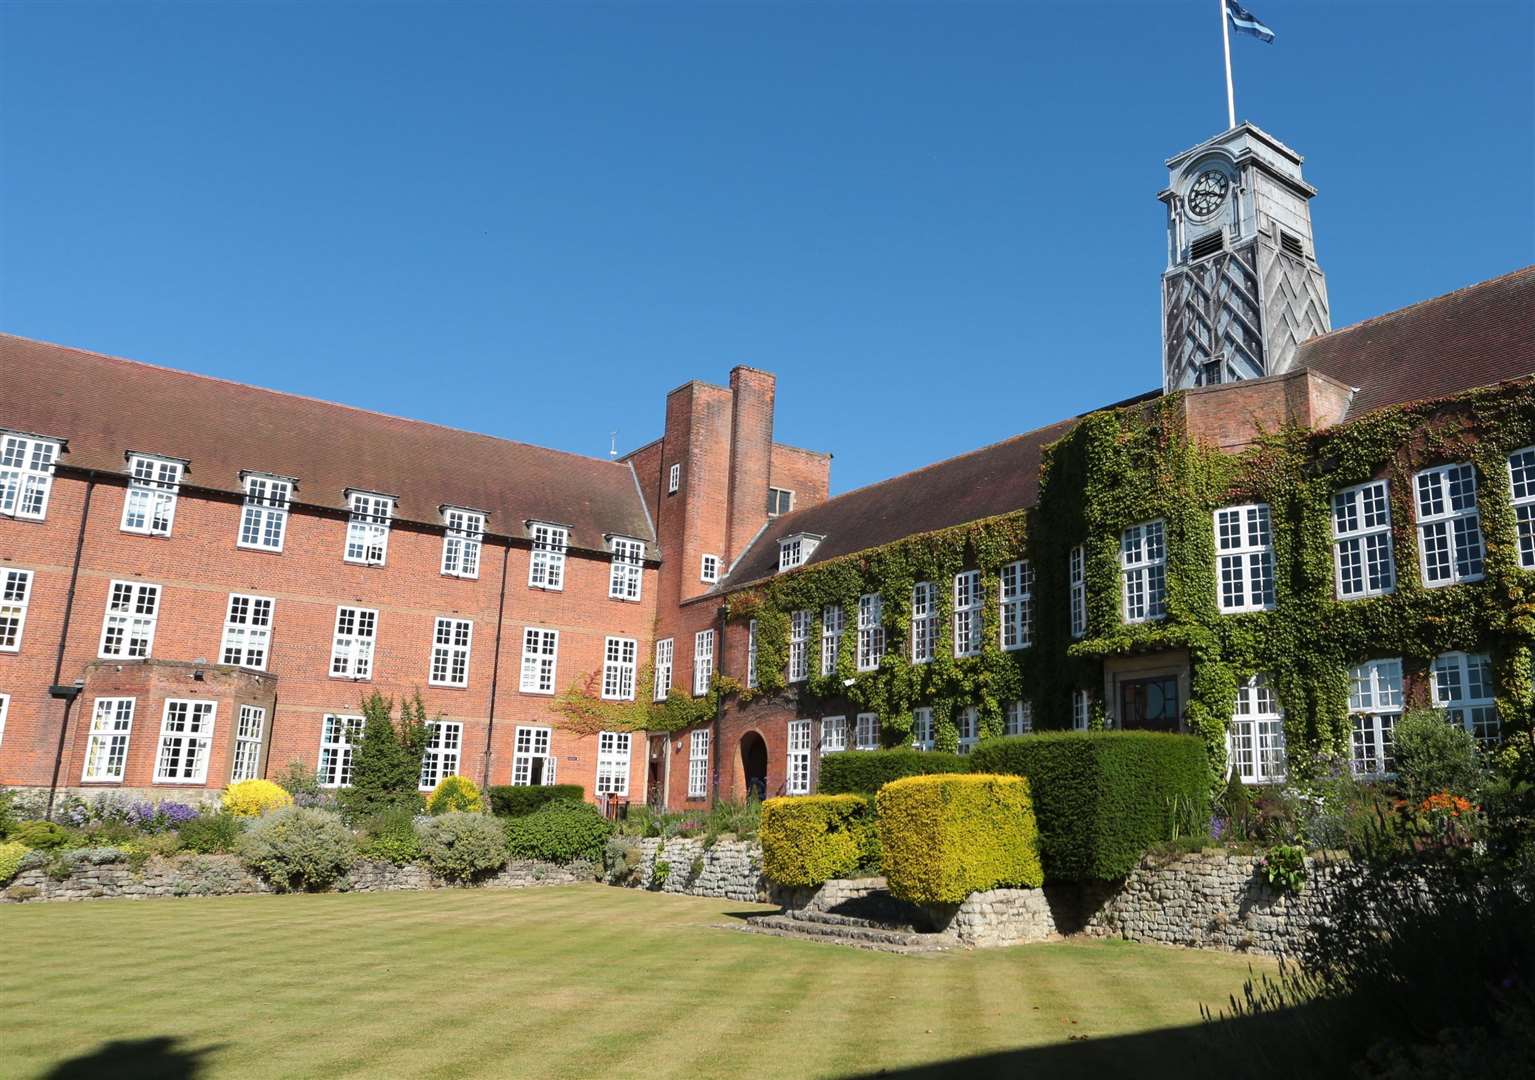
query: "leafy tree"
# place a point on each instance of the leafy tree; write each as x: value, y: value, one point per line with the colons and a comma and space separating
x: 1433, y: 755
x: 386, y: 759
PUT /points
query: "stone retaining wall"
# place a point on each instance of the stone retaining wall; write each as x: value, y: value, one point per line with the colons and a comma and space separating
x: 729, y: 870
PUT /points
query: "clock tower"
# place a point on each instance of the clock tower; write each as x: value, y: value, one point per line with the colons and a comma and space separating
x: 1242, y: 288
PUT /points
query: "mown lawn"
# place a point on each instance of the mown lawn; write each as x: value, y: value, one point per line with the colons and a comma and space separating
x: 577, y: 981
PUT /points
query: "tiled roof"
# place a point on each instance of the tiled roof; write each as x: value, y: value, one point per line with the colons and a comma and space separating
x: 105, y: 406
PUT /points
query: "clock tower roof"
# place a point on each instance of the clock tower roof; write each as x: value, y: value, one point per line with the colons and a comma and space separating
x: 1242, y: 145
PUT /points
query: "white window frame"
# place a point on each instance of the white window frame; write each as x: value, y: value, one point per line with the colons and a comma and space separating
x: 709, y: 569
x: 613, y: 758
x: 866, y: 731
x: 106, y: 750
x: 338, y: 732
x: 1020, y: 717
x: 540, y: 660
x: 533, y: 743
x: 352, y: 645
x: 5, y: 708
x: 922, y: 728
x: 698, y: 763
x: 797, y: 765
x: 546, y: 565
x: 149, y: 504
x: 969, y: 723
x: 186, y: 740
x: 1455, y: 679
x: 924, y: 622
x: 626, y: 575
x: 674, y: 479
x: 620, y: 658
x: 703, y: 661
x: 833, y: 734
x: 133, y: 611
x: 1143, y: 572
x: 26, y: 474
x: 367, y: 528
x: 15, y: 598
x: 247, y: 638
x: 462, y: 539
x: 1076, y: 570
x: 1361, y: 531
x: 791, y: 552
x: 665, y: 655
x: 250, y: 731
x: 1081, y: 710
x: 833, y: 622
x: 1244, y: 558
x: 871, y: 631
x: 799, y: 645
x: 969, y: 605
x: 751, y: 655
x: 773, y: 501
x: 1521, y: 487
x: 1458, y: 529
x: 1255, y: 739
x: 264, y: 516
x: 1016, y: 593
x: 452, y: 642
x: 444, y: 750
x: 1375, y: 704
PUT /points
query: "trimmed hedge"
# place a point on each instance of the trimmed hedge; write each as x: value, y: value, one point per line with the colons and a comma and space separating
x: 559, y: 832
x: 944, y: 837
x: 863, y: 772
x: 507, y: 801
x: 810, y: 839
x: 1103, y: 797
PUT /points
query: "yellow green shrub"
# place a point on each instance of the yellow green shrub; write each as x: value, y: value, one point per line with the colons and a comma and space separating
x: 945, y: 836
x: 455, y: 793
x: 809, y: 839
x: 252, y: 798
x: 11, y: 855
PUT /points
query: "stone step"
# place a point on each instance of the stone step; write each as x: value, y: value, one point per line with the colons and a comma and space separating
x: 832, y: 918
x: 863, y: 937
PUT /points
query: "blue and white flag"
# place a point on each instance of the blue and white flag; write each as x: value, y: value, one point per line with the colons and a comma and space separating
x: 1246, y: 22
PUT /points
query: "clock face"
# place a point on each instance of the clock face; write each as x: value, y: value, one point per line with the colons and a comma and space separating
x: 1207, y: 192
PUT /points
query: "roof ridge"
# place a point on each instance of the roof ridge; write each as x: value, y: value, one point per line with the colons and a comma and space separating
x: 304, y: 397
x: 1383, y: 316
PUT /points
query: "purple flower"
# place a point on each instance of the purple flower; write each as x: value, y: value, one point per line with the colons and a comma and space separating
x: 176, y: 813
x: 1217, y: 828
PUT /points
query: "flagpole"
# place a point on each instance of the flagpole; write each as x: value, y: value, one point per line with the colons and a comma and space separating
x: 1231, y: 97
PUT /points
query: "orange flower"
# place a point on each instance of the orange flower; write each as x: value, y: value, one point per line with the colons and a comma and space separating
x: 1454, y: 805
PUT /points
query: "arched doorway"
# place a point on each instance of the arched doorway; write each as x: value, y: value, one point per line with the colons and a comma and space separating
x: 754, y: 765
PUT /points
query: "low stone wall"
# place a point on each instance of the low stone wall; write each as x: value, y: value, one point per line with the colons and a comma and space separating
x: 728, y: 870
x: 1004, y: 917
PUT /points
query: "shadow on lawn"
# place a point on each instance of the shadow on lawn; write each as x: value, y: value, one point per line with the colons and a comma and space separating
x: 159, y: 1058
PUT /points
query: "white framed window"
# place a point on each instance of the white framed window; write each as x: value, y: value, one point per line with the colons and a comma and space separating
x: 673, y: 479
x: 968, y: 603
x: 5, y: 708
x: 1081, y: 710
x: 922, y: 728
x: 703, y: 661
x: 546, y: 568
x: 1463, y: 688
x: 798, y: 778
x: 367, y: 529
x: 1244, y: 556
x: 247, y: 639
x: 1077, y: 576
x: 924, y: 621
x: 1017, y: 605
x: 751, y: 654
x: 833, y: 734
x: 15, y: 595
x: 799, y: 646
x: 866, y: 732
x: 1020, y: 717
x: 831, y: 638
x: 532, y: 762
x: 780, y: 501
x: 618, y: 668
x: 791, y: 552
x: 664, y: 653
x: 337, y: 735
x: 1521, y: 480
x: 1375, y: 705
x: 26, y: 474
x: 440, y: 759
x: 451, y: 641
x: 969, y: 728
x: 106, y: 751
x: 464, y: 533
x: 709, y: 571
x: 149, y: 506
x: 626, y: 577
x: 1449, y: 525
x: 1143, y: 567
x: 250, y: 729
x: 1362, y: 548
x: 698, y: 763
x: 186, y: 733
x: 540, y: 656
x: 613, y: 763
x: 871, y: 631
x: 1256, y: 737
x: 128, y: 630
x: 264, y: 518
x: 351, y: 650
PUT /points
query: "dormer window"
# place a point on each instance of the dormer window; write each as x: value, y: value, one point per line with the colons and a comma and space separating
x: 149, y: 507
x: 367, y: 530
x: 26, y: 474
x: 546, y: 570
x: 463, y: 533
x: 796, y: 550
x: 626, y: 577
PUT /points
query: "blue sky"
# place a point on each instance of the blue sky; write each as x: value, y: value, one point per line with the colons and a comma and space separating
x: 936, y: 222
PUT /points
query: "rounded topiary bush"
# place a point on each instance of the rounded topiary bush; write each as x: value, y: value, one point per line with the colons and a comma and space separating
x: 42, y: 835
x: 460, y: 846
x: 298, y: 847
x: 455, y: 793
x: 252, y: 798
x: 561, y: 832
